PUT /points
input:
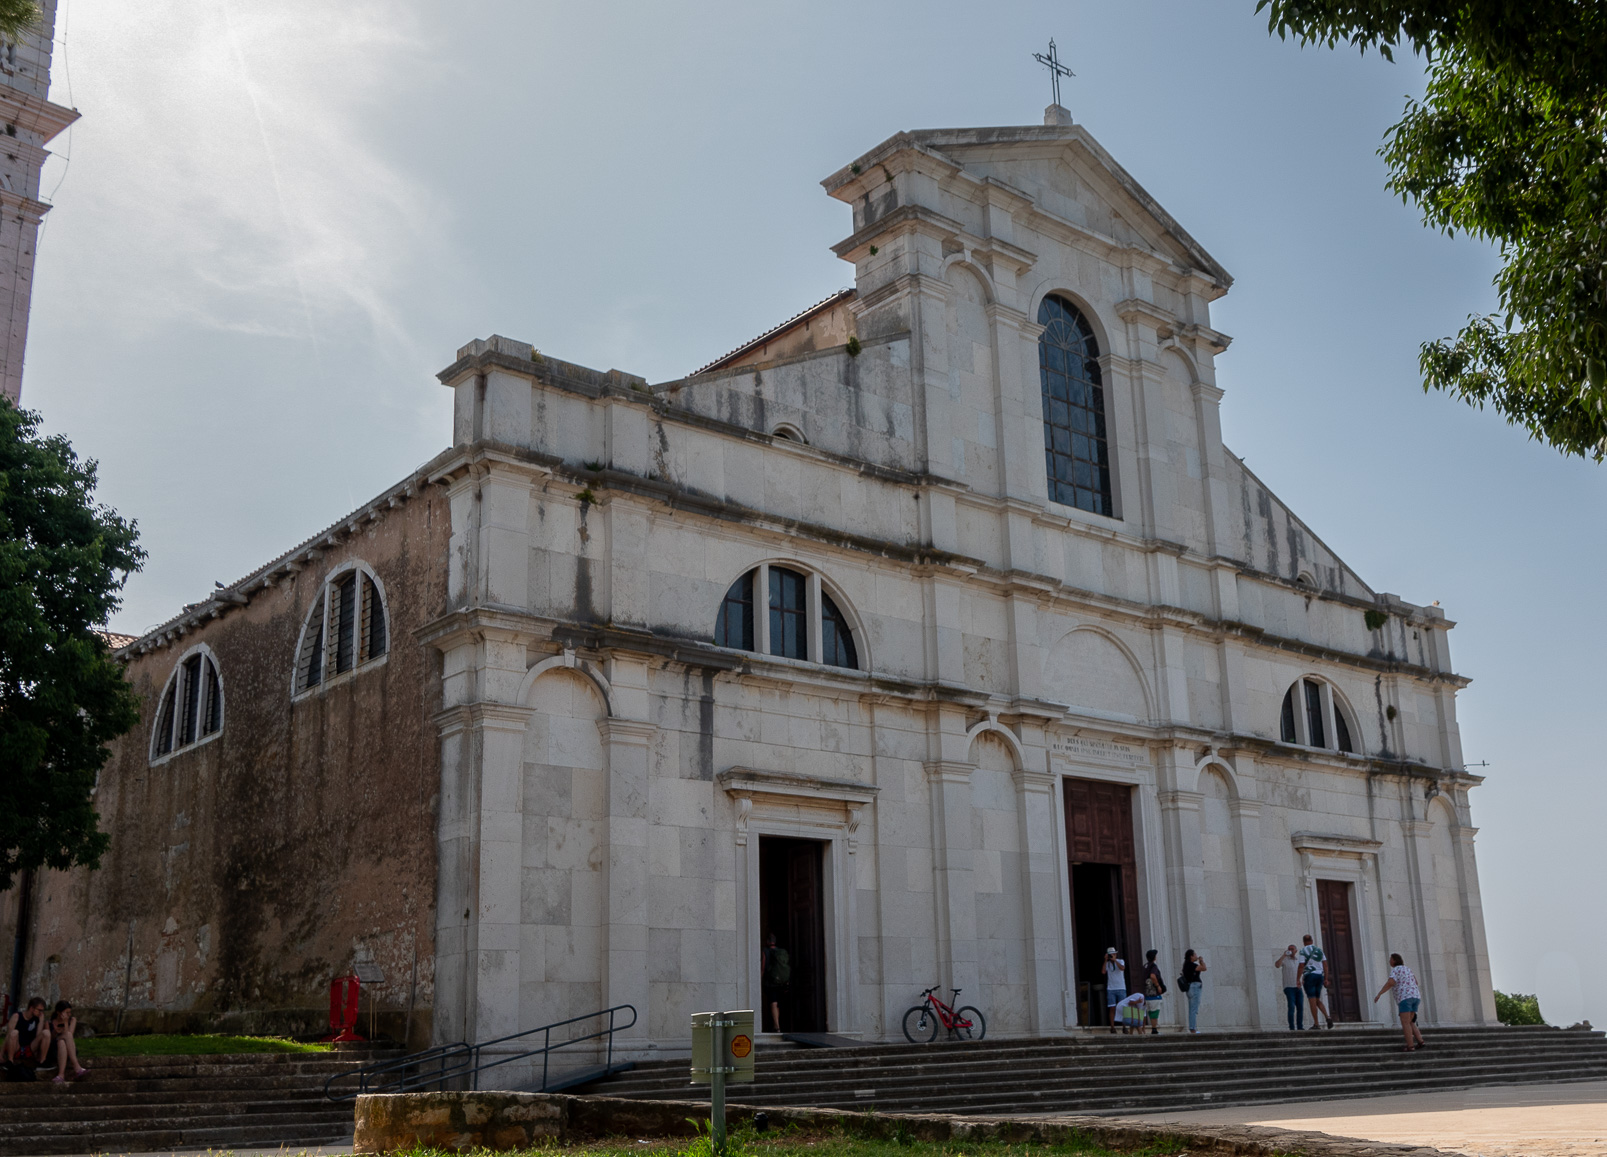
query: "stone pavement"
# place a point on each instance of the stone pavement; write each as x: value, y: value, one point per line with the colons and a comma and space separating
x: 1560, y: 1120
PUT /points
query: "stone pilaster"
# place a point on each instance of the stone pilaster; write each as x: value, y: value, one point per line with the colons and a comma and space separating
x: 949, y: 784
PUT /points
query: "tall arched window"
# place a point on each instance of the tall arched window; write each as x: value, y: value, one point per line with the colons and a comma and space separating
x: 1313, y: 716
x: 796, y: 619
x: 345, y: 629
x: 1075, y: 450
x: 191, y: 708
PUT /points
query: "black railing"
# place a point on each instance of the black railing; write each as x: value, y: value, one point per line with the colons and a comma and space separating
x: 462, y: 1062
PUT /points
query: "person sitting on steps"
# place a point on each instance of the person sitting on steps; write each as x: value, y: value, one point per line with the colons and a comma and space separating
x: 27, y: 1036
x: 63, y: 1050
x: 1311, y: 974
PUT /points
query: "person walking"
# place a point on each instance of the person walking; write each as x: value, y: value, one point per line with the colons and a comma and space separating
x: 1407, y: 997
x: 1191, y: 985
x: 1154, y: 991
x: 775, y: 979
x: 1312, y: 978
x: 1115, y: 983
x: 1289, y: 965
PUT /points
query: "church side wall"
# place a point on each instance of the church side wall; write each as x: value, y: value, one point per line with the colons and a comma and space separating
x: 247, y: 871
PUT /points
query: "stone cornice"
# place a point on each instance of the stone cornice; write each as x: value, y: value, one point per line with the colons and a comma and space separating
x: 1335, y: 844
x: 740, y: 781
x: 34, y: 114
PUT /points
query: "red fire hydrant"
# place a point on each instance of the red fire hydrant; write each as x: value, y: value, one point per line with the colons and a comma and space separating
x: 343, y: 1003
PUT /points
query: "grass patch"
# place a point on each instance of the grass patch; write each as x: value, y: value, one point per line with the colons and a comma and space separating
x: 794, y: 1142
x: 204, y: 1044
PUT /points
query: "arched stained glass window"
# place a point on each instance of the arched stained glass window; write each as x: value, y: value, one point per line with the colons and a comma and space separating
x: 1075, y: 448
x: 770, y: 610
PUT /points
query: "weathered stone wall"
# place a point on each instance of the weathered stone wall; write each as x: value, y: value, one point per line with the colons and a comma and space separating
x: 464, y: 1122
x: 248, y: 870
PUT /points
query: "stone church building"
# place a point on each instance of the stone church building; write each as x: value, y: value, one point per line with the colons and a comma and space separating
x: 934, y: 631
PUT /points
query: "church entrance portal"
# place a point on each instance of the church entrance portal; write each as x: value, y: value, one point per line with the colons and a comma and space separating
x: 792, y: 906
x: 1104, y: 888
x: 1333, y: 911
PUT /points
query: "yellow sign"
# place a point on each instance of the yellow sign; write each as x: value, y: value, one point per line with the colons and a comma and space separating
x: 741, y: 1046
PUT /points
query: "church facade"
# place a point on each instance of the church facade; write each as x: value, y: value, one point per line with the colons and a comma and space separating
x: 935, y: 633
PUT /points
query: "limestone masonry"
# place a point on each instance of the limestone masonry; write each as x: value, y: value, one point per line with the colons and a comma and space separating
x: 935, y: 633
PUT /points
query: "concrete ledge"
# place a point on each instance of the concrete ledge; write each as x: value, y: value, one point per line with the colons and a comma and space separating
x: 460, y: 1122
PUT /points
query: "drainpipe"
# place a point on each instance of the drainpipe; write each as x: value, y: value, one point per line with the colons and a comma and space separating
x: 19, y: 949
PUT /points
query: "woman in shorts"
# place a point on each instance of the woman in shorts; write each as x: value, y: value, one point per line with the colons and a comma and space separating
x: 1407, y: 998
x: 63, y: 1048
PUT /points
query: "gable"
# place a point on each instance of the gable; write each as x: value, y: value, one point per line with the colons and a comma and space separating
x: 1061, y: 170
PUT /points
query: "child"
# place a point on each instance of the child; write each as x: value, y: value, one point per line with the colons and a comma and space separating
x: 1131, y: 1010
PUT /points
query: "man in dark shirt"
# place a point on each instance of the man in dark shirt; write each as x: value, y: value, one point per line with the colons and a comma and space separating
x: 27, y: 1034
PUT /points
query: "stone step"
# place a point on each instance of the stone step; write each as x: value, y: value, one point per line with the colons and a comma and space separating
x: 81, y: 1110
x: 257, y: 1115
x: 1150, y: 1054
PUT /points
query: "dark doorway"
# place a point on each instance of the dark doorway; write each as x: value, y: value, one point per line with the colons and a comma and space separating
x: 792, y: 906
x: 1333, y: 912
x: 1104, y: 888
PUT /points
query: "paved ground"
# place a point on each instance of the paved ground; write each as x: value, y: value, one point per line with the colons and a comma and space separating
x: 287, y: 1151
x: 1564, y: 1120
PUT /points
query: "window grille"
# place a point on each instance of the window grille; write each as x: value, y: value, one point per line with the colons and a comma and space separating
x: 1076, y: 451
x: 191, y: 707
x: 346, y: 629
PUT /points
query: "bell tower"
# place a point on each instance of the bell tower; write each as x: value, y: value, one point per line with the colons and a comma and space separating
x: 28, y: 122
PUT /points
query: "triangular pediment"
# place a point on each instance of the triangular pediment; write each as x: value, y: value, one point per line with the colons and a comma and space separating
x: 1063, y: 171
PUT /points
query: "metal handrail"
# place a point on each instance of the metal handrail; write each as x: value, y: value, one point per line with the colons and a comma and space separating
x: 450, y: 1062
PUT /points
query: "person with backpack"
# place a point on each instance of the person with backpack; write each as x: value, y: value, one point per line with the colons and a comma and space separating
x: 1154, y: 991
x: 1312, y: 974
x: 775, y: 978
x: 1190, y: 984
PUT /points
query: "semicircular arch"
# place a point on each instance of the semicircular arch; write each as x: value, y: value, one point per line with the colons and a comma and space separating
x: 1091, y: 668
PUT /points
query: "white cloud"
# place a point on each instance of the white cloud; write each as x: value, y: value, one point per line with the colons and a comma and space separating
x: 245, y: 135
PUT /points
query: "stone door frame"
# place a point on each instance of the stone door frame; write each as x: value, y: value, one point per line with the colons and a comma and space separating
x: 800, y: 807
x: 1355, y: 862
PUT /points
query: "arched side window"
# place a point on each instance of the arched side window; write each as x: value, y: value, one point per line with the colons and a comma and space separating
x: 799, y: 620
x: 1313, y: 716
x: 191, y: 708
x: 346, y: 628
x: 1076, y: 452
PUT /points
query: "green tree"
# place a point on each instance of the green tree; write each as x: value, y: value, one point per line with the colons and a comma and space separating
x: 63, y: 562
x: 1518, y: 1009
x: 16, y: 17
x: 1508, y: 144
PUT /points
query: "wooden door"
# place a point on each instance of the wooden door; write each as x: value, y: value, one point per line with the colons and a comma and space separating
x: 807, y: 924
x: 1099, y: 830
x: 1333, y: 913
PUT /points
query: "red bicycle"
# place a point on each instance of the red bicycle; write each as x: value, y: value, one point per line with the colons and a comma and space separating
x: 922, y: 1022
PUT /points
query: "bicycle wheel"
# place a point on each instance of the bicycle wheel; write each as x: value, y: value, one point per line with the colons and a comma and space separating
x: 968, y: 1024
x: 920, y: 1025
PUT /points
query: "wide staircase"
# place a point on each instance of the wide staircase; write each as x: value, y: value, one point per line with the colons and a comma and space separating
x: 145, y: 1104
x: 1120, y: 1075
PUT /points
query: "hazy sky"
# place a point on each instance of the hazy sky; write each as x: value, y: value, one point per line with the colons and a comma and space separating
x: 278, y: 221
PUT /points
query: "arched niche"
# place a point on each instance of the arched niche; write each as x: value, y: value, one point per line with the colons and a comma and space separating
x: 1092, y: 670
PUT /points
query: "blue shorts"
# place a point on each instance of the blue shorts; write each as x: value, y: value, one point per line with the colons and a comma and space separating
x: 1313, y: 983
x: 1114, y: 996
x: 1408, y: 1005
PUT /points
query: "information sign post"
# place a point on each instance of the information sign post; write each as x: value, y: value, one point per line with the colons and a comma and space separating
x: 722, y: 1050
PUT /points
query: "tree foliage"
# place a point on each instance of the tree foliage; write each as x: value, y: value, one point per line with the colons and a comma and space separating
x: 1508, y: 144
x: 63, y: 562
x: 16, y: 17
x: 1517, y: 1009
